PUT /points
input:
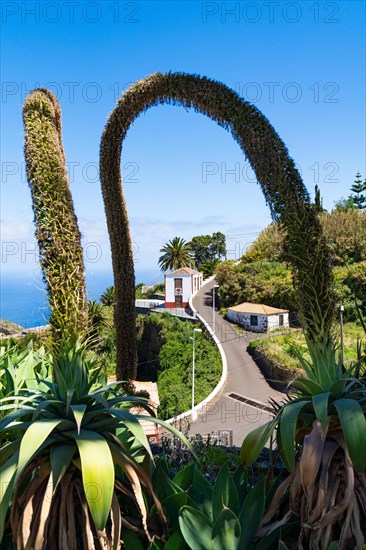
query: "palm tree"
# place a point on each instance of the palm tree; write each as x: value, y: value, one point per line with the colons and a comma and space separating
x: 98, y: 323
x: 176, y: 254
x: 107, y: 298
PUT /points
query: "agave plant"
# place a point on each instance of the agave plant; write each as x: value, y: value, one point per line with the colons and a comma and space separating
x: 21, y: 368
x: 70, y: 449
x: 321, y: 437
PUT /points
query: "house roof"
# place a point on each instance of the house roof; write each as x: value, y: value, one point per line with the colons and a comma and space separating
x: 260, y: 309
x: 184, y: 271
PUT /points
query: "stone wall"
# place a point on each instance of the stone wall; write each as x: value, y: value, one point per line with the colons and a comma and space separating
x: 276, y: 375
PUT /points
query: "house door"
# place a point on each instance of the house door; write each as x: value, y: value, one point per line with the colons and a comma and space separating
x: 280, y: 320
x: 178, y: 291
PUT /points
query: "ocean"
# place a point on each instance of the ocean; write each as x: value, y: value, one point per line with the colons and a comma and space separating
x: 23, y: 299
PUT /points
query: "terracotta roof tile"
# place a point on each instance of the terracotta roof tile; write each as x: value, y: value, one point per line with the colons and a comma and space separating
x: 260, y: 309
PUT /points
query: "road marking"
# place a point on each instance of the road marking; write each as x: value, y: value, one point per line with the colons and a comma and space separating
x: 249, y: 401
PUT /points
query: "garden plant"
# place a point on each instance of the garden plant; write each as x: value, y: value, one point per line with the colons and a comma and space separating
x: 69, y: 446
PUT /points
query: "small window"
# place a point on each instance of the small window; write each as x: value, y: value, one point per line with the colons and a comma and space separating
x: 254, y: 320
x: 280, y: 320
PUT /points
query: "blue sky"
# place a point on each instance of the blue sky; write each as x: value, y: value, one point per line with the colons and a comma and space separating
x: 301, y: 63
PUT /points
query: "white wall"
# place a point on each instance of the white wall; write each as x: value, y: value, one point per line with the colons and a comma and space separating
x: 274, y: 321
x: 265, y: 322
x: 169, y: 287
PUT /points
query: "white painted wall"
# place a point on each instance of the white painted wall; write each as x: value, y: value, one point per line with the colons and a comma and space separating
x: 187, y: 282
x: 265, y: 322
x: 274, y: 321
x: 169, y: 287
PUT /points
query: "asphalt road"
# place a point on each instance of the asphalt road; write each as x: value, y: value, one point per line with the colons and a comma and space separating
x: 244, y: 379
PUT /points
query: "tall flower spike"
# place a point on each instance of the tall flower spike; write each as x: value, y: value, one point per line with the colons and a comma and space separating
x: 57, y: 232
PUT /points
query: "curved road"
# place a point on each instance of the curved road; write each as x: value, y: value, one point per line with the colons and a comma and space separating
x: 244, y: 379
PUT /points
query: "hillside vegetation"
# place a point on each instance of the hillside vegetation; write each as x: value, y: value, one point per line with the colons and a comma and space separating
x: 168, y: 342
x: 264, y: 276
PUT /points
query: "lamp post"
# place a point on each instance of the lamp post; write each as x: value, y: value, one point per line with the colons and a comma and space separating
x: 342, y: 340
x: 213, y: 306
x: 194, y: 413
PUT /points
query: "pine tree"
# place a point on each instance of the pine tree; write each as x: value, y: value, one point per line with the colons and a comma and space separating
x: 358, y: 188
x: 318, y: 200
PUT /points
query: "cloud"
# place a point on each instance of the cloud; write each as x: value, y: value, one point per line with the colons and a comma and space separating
x: 16, y: 229
x: 148, y: 235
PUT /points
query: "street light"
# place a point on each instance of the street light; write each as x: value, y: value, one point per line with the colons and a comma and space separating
x: 194, y: 413
x: 342, y: 339
x: 213, y: 306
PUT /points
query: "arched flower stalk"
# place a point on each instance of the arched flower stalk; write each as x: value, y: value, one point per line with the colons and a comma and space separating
x: 276, y: 173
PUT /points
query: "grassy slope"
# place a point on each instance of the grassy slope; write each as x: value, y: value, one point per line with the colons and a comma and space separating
x: 282, y: 349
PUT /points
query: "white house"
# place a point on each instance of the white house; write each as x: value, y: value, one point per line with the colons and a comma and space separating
x: 180, y: 285
x: 258, y: 317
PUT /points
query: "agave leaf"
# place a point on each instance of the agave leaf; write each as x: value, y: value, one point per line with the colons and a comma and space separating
x: 320, y: 404
x: 288, y: 424
x: 60, y: 458
x: 132, y: 423
x: 130, y: 471
x: 13, y: 416
x: 224, y: 494
x: 102, y: 400
x: 339, y: 386
x: 61, y: 386
x: 97, y: 470
x: 44, y: 404
x: 251, y: 515
x: 255, y: 441
x: 353, y: 424
x: 7, y: 475
x: 32, y: 440
x: 8, y: 449
x: 127, y: 401
x: 127, y: 464
x: 311, y: 457
x: 171, y: 429
x: 307, y: 367
x: 196, y: 529
x: 310, y: 386
x: 282, y: 545
x: 226, y: 531
x: 78, y: 412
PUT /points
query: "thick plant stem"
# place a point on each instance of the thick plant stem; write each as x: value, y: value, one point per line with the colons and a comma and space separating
x: 57, y: 232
